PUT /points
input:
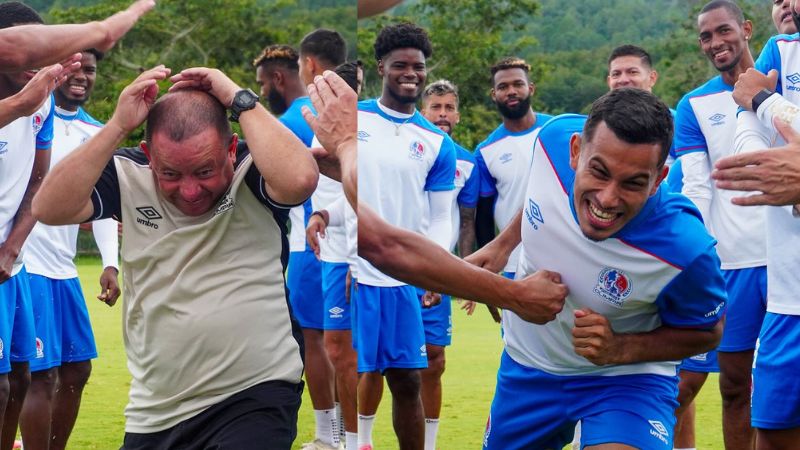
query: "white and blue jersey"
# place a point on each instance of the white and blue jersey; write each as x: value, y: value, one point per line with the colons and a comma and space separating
x: 705, y: 128
x: 659, y: 269
x: 400, y: 160
x: 293, y: 119
x: 467, y: 189
x: 504, y: 161
x: 19, y: 140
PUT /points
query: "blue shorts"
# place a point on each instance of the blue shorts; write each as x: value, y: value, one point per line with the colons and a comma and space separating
x: 63, y: 330
x: 747, y: 304
x: 17, y: 332
x: 510, y: 275
x: 437, y: 321
x: 304, y: 281
x: 702, y: 363
x: 776, y: 363
x: 389, y: 333
x: 337, y: 308
x: 533, y: 409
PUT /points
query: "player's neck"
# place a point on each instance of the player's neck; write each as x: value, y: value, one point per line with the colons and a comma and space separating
x: 523, y: 123
x: 66, y: 106
x: 730, y: 77
x: 293, y: 92
x: 395, y: 105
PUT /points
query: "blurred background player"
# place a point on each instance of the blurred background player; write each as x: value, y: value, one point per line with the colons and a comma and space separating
x: 705, y: 128
x: 440, y: 107
x: 64, y: 339
x: 504, y: 157
x: 406, y: 167
x: 278, y: 74
x: 322, y: 50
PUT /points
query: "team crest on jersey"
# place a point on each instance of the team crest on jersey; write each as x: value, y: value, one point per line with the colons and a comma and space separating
x: 36, y: 122
x: 39, y: 348
x: 533, y: 213
x: 717, y: 119
x: 613, y: 285
x: 794, y: 79
x: 416, y: 150
x: 227, y: 203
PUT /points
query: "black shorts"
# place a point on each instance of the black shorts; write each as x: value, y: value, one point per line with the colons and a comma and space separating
x: 261, y: 417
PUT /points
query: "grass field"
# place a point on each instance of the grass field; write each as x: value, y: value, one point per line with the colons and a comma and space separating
x: 469, y: 381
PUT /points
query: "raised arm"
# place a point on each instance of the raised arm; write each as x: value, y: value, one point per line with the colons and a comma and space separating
x: 35, y: 46
x: 65, y: 196
x: 37, y: 90
x: 288, y: 168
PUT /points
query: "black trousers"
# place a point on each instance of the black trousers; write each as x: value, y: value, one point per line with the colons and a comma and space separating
x: 262, y: 417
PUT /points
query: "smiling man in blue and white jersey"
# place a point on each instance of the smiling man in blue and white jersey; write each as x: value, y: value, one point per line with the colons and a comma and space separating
x: 645, y: 289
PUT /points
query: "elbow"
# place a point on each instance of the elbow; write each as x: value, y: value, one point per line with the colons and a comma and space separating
x: 712, y: 338
x: 307, y: 183
x: 38, y: 209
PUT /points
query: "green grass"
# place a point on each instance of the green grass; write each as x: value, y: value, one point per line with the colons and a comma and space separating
x: 469, y: 382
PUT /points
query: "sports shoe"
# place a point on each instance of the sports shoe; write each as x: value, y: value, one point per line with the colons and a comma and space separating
x: 316, y: 444
x: 17, y: 444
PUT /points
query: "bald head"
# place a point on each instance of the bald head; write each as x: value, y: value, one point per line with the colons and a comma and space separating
x: 185, y: 113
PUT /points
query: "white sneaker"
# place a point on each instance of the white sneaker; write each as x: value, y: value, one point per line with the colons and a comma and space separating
x: 318, y: 445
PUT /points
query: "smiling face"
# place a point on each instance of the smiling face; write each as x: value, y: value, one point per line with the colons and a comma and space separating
x: 722, y: 38
x: 404, y: 73
x: 192, y: 174
x: 613, y: 180
x: 631, y: 71
x: 76, y: 90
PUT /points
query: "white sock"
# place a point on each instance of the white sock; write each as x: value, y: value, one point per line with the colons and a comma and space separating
x: 365, y: 429
x: 326, y: 422
x: 431, y: 428
x: 350, y: 440
x: 340, y: 420
x: 576, y: 441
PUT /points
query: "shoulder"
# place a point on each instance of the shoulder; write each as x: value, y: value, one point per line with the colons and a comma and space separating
x: 561, y: 127
x: 85, y: 117
x: 499, y: 133
x: 369, y: 105
x: 133, y: 154
x: 463, y: 154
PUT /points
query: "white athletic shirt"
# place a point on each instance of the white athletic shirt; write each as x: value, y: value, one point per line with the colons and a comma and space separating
x: 661, y: 268
x: 782, y: 53
x: 504, y: 161
x: 293, y: 119
x: 333, y: 247
x: 705, y: 127
x: 401, y: 159
x: 50, y: 250
x: 19, y: 141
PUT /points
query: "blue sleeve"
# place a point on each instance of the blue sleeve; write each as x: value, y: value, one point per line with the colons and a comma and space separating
x: 689, y: 138
x: 675, y: 177
x: 295, y: 122
x: 443, y: 172
x: 468, y: 197
x: 488, y: 186
x: 770, y: 58
x: 44, y: 138
x: 696, y: 297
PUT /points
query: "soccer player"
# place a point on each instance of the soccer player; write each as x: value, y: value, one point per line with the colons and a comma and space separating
x: 768, y: 95
x: 65, y: 344
x: 440, y: 107
x: 278, y: 74
x: 705, y: 128
x: 322, y: 50
x: 645, y: 289
x: 24, y: 159
x: 353, y: 73
x: 204, y: 253
x: 406, y: 167
x: 782, y: 17
x: 504, y: 157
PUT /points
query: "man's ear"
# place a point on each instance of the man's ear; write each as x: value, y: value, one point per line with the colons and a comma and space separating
x: 574, y: 150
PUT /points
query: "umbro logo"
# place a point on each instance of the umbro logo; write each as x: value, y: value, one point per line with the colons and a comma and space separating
x: 3, y: 147
x: 505, y: 157
x: 149, y: 213
x: 227, y: 203
x: 534, y: 214
x: 659, y: 431
x: 362, y: 136
x: 423, y: 351
x: 336, y: 312
x: 717, y: 119
x: 793, y: 78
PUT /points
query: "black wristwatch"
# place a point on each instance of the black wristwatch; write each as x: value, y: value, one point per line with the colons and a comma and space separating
x: 759, y: 98
x: 244, y: 100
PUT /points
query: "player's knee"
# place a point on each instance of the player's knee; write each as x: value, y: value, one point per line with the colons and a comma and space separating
x: 436, y: 361
x: 734, y: 389
x: 45, y: 378
x: 75, y: 375
x: 5, y: 390
x: 19, y: 380
x: 404, y: 384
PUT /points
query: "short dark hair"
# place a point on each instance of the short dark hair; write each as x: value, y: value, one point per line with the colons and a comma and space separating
x: 440, y: 87
x: 278, y: 55
x: 732, y: 8
x: 17, y: 13
x: 349, y: 72
x: 98, y: 55
x: 402, y: 35
x: 185, y: 113
x: 326, y: 45
x: 631, y: 50
x: 635, y: 116
x: 510, y: 62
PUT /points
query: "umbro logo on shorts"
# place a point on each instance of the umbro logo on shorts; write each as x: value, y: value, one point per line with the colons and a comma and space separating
x: 336, y: 312
x: 149, y: 213
x: 423, y: 351
x: 659, y: 431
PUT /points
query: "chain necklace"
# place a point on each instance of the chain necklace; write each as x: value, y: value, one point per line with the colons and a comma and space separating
x: 398, y: 125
